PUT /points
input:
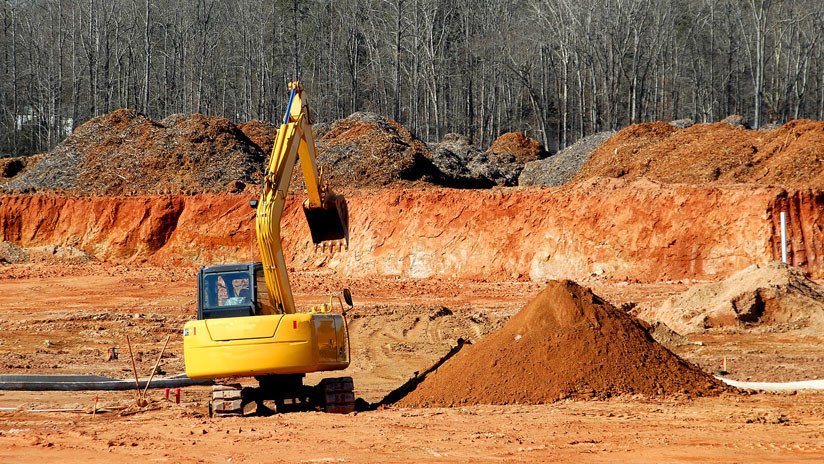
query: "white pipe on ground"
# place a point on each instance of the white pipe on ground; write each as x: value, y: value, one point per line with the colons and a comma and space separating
x: 776, y: 386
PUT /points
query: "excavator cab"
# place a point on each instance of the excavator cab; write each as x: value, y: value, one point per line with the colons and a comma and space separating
x: 238, y: 333
x: 233, y: 290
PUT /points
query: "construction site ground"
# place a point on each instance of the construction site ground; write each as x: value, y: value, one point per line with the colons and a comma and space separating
x: 63, y: 318
x: 678, y: 226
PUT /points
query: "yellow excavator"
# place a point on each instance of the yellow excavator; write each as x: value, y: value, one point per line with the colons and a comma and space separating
x: 247, y: 324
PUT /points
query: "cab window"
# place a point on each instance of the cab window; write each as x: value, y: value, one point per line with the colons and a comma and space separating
x: 227, y: 289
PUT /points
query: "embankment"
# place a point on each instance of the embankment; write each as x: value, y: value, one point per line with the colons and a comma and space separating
x: 641, y: 230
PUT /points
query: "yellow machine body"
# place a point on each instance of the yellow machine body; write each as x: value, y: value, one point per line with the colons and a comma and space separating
x: 265, y: 345
x: 259, y: 332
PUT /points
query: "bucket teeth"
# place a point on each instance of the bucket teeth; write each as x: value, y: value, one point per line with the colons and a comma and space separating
x: 331, y: 247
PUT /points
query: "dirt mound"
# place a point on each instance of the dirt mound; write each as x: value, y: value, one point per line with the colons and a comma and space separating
x: 505, y: 159
x: 518, y: 145
x: 770, y: 297
x: 368, y: 150
x: 262, y: 133
x: 789, y: 156
x: 453, y: 156
x: 463, y: 165
x: 125, y: 152
x: 558, y: 169
x: 567, y: 342
x: 664, y: 335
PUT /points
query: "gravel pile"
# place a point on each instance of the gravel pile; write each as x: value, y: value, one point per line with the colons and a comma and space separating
x: 560, y: 168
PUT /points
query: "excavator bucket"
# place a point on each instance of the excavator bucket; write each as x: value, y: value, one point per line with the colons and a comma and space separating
x: 329, y: 222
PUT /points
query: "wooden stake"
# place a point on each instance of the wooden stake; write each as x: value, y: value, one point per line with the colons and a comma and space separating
x: 134, y: 369
x: 151, y: 376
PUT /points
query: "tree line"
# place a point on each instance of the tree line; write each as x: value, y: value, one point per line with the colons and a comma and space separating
x: 556, y: 69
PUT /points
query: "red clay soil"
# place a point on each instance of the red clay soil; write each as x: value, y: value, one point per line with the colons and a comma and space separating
x: 125, y: 152
x: 790, y: 156
x: 523, y: 148
x: 567, y: 342
x: 609, y: 229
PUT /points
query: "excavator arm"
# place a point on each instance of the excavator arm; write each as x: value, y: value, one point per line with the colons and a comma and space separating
x: 326, y: 212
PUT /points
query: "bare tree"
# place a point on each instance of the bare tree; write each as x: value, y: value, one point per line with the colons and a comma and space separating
x: 557, y: 69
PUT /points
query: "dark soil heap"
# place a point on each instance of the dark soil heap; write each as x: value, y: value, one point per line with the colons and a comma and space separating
x: 454, y: 157
x: 463, y: 165
x: 567, y: 342
x: 262, y: 133
x: 125, y: 152
x: 368, y: 150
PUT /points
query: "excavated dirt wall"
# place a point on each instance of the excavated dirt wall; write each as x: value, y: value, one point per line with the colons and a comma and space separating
x: 611, y: 228
x: 805, y: 222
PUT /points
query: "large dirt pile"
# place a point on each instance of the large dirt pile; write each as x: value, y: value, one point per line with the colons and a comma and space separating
x: 790, y: 156
x: 567, y: 342
x: 561, y: 167
x: 769, y: 297
x: 125, y: 152
x: 368, y: 150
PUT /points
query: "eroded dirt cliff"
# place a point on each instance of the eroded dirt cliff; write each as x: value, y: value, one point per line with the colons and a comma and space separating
x: 640, y: 231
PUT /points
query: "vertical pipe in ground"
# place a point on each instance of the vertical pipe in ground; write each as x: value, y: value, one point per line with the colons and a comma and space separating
x: 784, y: 237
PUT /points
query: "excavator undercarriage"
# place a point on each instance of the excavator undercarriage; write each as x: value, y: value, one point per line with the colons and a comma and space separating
x: 283, y: 393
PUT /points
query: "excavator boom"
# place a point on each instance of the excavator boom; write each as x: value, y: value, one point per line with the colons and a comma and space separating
x: 326, y: 212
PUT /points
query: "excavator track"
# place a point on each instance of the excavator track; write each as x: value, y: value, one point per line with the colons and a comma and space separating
x: 332, y: 395
x: 337, y: 395
x: 226, y: 401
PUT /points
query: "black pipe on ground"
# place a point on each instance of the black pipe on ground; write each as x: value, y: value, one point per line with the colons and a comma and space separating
x: 36, y: 382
